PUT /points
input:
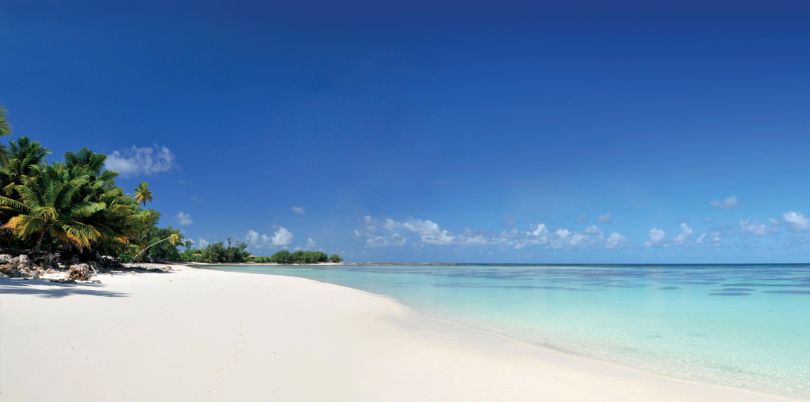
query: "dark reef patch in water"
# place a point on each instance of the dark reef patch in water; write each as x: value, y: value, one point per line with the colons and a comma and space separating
x: 669, y: 288
x: 483, y: 286
x: 628, y: 285
x: 771, y: 285
x: 729, y: 294
x: 789, y: 292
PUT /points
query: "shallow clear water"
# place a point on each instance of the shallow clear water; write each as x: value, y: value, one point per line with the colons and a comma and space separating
x: 739, y: 325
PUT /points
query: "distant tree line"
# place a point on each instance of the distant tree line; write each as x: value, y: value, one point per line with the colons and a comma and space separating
x: 299, y: 257
x: 219, y: 252
x: 236, y: 252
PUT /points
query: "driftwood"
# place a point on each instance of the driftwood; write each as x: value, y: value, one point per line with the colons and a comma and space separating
x: 20, y: 266
x: 24, y: 267
x: 81, y: 272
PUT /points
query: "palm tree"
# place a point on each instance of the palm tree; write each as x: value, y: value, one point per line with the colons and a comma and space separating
x: 21, y: 160
x: 49, y: 206
x: 142, y: 194
x: 173, y: 239
x: 88, y: 162
x: 71, y: 207
x: 122, y: 221
x: 5, y: 128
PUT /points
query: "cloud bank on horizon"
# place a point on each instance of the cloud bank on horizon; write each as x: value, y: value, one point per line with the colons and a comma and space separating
x: 791, y: 227
x: 388, y: 232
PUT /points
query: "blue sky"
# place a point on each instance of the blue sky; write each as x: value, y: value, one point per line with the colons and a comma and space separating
x: 430, y: 131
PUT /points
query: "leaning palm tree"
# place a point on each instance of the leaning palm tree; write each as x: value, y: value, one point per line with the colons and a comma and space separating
x: 142, y: 193
x: 48, y: 207
x: 173, y: 239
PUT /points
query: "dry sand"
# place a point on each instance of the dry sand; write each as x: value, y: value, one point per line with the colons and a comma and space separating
x: 200, y: 335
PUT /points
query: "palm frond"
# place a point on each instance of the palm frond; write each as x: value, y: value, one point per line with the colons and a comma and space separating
x: 12, y: 204
x: 86, y: 208
x: 25, y: 226
x: 79, y: 234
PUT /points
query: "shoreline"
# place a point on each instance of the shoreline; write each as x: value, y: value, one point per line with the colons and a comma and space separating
x: 227, y: 264
x: 463, y: 327
x: 315, y: 331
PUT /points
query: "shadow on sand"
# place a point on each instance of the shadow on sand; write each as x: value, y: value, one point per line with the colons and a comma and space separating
x: 44, y: 288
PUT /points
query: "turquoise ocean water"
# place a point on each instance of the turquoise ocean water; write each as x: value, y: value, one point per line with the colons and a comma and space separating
x: 739, y: 325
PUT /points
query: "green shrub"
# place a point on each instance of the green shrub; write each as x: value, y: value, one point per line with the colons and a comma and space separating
x: 218, y: 252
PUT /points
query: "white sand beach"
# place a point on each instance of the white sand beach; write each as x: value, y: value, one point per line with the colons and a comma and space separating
x: 200, y: 335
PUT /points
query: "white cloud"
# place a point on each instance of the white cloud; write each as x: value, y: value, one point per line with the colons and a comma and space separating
x: 562, y: 233
x: 469, y: 238
x: 604, y: 218
x: 281, y: 237
x: 656, y: 237
x: 141, y: 161
x: 311, y: 243
x: 728, y: 202
x: 796, y: 221
x: 380, y: 234
x: 390, y: 232
x: 614, y: 240
x: 684, y: 235
x: 576, y: 239
x: 429, y: 232
x: 298, y: 210
x: 712, y: 237
x: 567, y: 238
x: 253, y: 237
x: 202, y: 243
x: 540, y: 231
x: 539, y: 235
x: 394, y: 239
x: 754, y: 228
x: 593, y: 230
x: 592, y: 236
x: 184, y: 218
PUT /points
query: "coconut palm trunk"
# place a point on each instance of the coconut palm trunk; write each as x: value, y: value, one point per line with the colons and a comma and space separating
x: 174, y: 238
x: 39, y: 241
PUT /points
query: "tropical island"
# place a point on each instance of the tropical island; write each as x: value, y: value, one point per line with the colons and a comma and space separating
x: 70, y: 216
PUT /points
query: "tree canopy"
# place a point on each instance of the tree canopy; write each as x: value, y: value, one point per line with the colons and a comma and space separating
x: 71, y: 207
x: 219, y: 252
